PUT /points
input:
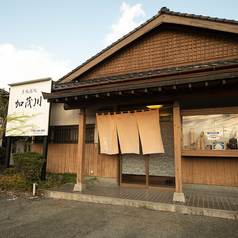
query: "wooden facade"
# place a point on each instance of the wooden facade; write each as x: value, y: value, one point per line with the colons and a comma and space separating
x: 196, y: 169
x: 187, y: 63
x: 210, y: 170
x: 63, y: 157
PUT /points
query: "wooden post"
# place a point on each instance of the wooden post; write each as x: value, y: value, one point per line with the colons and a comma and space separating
x: 147, y: 170
x: 45, y: 151
x: 79, y: 186
x: 8, y: 153
x: 178, y: 195
x: 119, y: 175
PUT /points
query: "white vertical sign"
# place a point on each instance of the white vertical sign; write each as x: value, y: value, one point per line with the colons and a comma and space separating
x: 28, y: 112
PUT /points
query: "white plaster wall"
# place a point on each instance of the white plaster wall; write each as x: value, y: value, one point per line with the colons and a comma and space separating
x: 91, y: 119
x: 61, y: 117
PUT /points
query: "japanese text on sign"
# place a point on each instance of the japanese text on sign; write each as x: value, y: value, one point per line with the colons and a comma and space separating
x: 29, y: 102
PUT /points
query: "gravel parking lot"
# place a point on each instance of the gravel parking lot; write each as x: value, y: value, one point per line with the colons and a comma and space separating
x: 24, y: 217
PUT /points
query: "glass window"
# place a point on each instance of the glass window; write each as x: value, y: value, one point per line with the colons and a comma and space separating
x: 89, y: 136
x: 63, y: 134
x: 67, y: 134
x: 206, y: 132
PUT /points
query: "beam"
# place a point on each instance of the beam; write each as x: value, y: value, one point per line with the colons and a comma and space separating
x: 161, y: 90
x: 102, y: 96
x: 133, y: 92
x: 89, y: 97
x: 120, y: 93
x: 150, y: 98
x: 223, y: 83
x: 114, y: 95
x: 224, y: 72
x: 148, y: 91
x: 175, y: 88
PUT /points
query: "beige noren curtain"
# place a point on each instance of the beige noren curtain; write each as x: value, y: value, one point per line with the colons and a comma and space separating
x: 127, y: 126
x: 149, y: 129
x: 127, y: 133
x: 107, y: 134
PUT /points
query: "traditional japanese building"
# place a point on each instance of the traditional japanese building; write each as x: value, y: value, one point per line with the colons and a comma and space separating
x: 156, y: 109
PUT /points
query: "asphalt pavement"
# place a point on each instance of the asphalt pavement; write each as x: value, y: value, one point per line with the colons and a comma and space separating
x: 44, y: 217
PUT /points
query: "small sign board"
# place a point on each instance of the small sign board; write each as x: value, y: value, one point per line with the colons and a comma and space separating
x: 218, y: 145
x: 213, y: 135
x: 28, y: 111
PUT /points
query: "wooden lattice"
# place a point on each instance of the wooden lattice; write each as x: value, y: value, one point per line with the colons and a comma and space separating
x: 166, y: 48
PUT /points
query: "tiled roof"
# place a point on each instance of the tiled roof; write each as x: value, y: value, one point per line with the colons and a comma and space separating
x: 148, y: 73
x: 162, y: 10
x: 166, y: 10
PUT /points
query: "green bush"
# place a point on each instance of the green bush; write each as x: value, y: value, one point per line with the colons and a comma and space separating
x: 29, y: 165
x: 56, y: 180
x: 68, y: 178
x: 14, y: 182
x: 10, y: 171
x: 27, y: 170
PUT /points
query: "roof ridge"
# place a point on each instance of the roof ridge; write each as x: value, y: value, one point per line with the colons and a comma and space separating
x: 160, y: 12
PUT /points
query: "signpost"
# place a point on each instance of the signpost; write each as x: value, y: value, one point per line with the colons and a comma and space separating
x: 28, y: 112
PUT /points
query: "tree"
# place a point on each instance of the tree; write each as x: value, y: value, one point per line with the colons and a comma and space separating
x: 3, y: 110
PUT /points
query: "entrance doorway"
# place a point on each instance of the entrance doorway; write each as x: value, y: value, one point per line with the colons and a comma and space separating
x: 154, y: 171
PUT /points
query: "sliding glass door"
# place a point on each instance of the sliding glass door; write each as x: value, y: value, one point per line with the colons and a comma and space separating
x: 153, y: 170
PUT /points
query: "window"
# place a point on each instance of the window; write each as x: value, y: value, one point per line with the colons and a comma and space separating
x: 67, y: 134
x: 210, y: 132
x: 89, y: 135
x: 63, y: 134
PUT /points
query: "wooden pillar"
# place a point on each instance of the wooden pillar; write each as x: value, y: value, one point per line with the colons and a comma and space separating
x: 8, y: 153
x: 45, y: 152
x: 178, y: 195
x: 147, y: 170
x: 79, y: 186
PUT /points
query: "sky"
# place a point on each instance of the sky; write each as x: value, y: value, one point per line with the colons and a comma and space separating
x: 49, y: 38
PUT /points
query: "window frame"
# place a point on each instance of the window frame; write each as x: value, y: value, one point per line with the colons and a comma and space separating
x: 67, y: 134
x: 208, y: 111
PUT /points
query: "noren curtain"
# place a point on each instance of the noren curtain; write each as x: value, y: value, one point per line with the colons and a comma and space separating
x: 107, y: 134
x: 128, y: 127
x: 149, y: 129
x: 127, y: 133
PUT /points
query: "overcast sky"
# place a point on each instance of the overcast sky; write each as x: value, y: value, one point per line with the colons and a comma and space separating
x: 49, y: 38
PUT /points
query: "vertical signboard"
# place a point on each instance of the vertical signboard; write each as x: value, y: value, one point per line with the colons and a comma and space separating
x: 28, y: 111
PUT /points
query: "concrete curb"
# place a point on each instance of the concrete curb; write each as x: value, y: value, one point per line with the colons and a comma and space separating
x: 142, y: 204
